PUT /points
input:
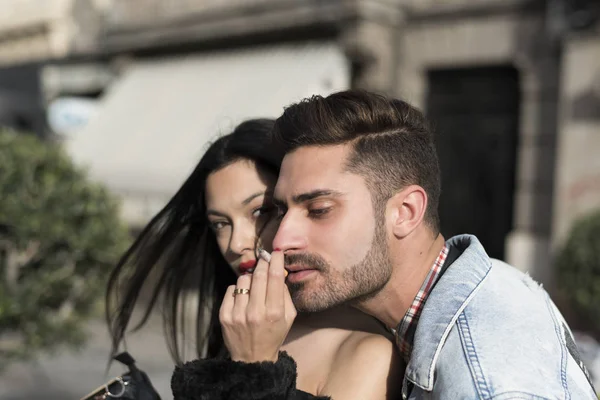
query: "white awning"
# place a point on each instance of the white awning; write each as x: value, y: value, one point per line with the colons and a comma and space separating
x: 156, y: 121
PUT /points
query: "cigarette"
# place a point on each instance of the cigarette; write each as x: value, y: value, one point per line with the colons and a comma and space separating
x: 264, y: 255
x: 267, y: 257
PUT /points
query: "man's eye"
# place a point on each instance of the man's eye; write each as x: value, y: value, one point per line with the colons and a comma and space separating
x: 280, y: 212
x: 318, y: 212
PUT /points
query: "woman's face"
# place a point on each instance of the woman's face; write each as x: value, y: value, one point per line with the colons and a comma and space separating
x: 238, y: 206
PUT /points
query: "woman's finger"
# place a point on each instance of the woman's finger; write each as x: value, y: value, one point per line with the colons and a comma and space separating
x: 241, y: 295
x: 276, y: 286
x: 258, y: 286
x: 225, y: 312
x: 290, y: 309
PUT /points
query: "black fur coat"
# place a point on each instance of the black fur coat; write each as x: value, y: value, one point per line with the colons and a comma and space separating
x: 223, y: 379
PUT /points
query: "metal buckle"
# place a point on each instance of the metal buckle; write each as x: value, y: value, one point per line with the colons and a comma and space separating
x: 121, y: 392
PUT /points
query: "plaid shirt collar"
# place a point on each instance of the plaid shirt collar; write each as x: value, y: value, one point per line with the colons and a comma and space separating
x: 405, y: 332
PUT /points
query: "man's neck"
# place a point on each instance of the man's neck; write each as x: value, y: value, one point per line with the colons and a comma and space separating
x: 408, y: 274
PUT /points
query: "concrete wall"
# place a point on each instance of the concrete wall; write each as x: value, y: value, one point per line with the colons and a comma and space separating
x: 502, y: 36
x: 578, y: 165
x: 128, y: 13
x: 391, y: 45
x: 32, y: 30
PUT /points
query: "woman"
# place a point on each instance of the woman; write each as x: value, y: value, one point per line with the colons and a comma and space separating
x: 205, y: 237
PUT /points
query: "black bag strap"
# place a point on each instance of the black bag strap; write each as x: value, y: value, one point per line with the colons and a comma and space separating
x: 143, y: 387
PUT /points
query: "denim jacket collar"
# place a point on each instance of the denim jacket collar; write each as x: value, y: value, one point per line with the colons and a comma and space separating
x: 451, y: 295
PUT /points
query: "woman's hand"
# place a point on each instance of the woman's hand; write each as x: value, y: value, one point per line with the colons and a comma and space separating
x: 256, y: 323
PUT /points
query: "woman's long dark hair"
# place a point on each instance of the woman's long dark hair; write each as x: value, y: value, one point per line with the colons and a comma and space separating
x: 177, y: 247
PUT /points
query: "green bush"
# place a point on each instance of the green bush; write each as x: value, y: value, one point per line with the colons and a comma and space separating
x: 59, y: 237
x: 578, y: 270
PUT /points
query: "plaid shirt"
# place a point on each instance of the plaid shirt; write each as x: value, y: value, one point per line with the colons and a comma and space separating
x: 405, y: 332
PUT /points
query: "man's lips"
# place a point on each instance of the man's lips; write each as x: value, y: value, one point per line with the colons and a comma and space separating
x: 298, y: 268
x: 299, y: 273
x: 247, y: 265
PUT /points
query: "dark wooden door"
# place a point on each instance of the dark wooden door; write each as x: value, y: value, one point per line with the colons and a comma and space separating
x: 475, y: 116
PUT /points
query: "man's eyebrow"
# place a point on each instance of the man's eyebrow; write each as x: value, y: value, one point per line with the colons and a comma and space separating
x: 303, y: 197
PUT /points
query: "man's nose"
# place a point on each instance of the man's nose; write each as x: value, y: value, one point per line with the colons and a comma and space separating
x: 290, y: 234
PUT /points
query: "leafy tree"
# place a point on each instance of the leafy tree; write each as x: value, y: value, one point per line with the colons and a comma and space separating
x: 578, y: 270
x: 60, y: 235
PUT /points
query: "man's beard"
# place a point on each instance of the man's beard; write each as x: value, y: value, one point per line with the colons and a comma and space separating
x: 355, y: 284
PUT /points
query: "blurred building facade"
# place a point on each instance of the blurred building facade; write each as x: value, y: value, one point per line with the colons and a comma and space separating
x: 31, y: 34
x: 512, y: 86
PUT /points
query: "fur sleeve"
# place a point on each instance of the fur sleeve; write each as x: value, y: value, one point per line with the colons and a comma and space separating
x: 223, y: 379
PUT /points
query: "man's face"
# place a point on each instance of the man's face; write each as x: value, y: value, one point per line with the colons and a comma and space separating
x: 335, y: 245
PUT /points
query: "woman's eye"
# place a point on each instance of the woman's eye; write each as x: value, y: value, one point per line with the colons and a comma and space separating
x: 262, y: 211
x: 218, y: 225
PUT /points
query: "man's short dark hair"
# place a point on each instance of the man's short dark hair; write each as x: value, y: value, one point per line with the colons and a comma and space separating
x: 393, y: 146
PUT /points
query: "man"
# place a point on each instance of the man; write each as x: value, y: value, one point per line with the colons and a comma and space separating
x: 358, y: 197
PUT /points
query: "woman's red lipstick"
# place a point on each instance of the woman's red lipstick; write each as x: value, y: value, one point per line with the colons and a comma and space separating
x: 246, y: 266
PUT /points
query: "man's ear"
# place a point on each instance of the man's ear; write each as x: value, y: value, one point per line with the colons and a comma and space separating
x: 405, y: 210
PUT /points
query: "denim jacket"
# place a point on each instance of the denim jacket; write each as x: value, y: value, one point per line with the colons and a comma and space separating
x: 488, y: 331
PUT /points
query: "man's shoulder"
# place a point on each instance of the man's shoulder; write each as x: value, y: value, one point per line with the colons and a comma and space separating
x: 508, y: 306
x: 510, y: 338
x: 511, y: 316
x: 511, y: 297
x: 527, y: 365
x: 489, y: 329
